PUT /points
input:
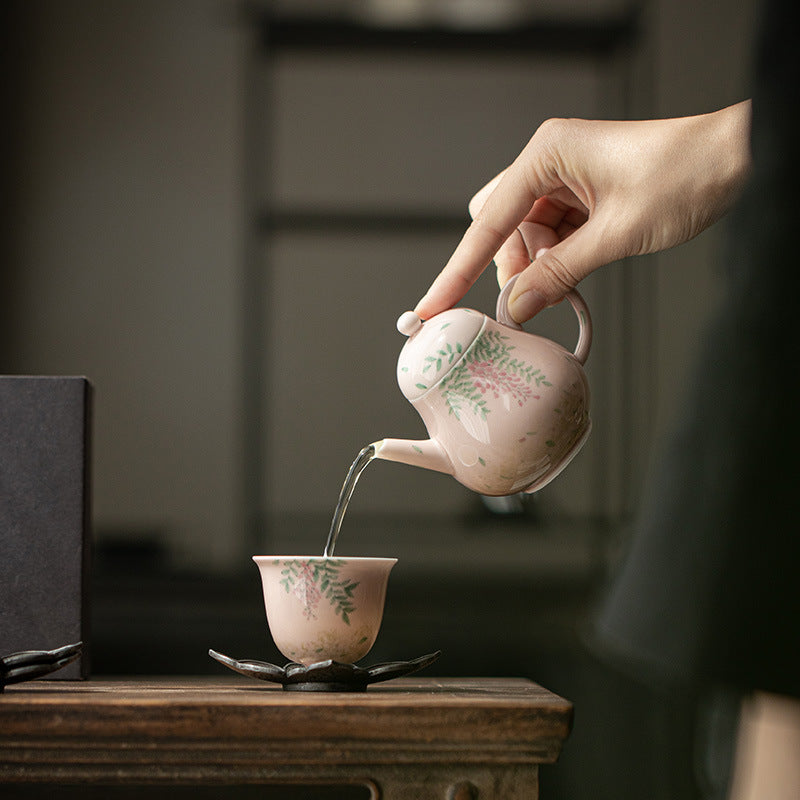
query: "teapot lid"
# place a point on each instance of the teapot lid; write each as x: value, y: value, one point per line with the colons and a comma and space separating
x: 434, y: 347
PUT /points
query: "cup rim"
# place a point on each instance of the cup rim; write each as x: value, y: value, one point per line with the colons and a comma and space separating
x: 356, y: 559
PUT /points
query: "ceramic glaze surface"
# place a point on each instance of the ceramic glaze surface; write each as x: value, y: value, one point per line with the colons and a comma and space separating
x: 505, y: 410
x: 435, y: 349
x: 324, y: 608
x: 516, y: 412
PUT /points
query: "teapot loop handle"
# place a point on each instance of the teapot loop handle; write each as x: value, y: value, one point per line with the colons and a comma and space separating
x: 578, y: 304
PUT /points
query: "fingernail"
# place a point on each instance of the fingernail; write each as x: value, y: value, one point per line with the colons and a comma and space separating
x: 526, y: 305
x: 541, y: 251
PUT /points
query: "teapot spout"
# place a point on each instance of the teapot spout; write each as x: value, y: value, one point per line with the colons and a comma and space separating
x: 426, y: 453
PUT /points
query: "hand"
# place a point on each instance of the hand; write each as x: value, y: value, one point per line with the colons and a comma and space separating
x: 585, y: 193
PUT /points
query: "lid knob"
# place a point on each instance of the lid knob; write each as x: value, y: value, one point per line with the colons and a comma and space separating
x: 409, y: 323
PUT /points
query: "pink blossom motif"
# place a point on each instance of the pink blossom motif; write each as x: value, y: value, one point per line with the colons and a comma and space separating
x: 487, y: 376
x: 491, y: 368
x: 306, y: 590
x: 311, y: 582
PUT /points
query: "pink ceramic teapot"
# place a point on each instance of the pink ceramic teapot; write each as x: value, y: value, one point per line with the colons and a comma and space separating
x: 506, y: 410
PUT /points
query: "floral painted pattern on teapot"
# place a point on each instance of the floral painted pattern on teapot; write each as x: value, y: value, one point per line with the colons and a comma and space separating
x: 506, y: 410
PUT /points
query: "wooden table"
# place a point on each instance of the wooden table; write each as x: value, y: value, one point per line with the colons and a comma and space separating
x: 409, y: 738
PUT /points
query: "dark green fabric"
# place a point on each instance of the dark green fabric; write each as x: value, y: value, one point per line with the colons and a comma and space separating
x: 710, y: 591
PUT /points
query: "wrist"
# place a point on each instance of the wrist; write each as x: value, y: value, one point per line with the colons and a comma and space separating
x: 732, y: 149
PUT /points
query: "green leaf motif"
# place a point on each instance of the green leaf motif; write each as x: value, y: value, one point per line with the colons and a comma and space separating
x: 500, y: 371
x: 313, y: 582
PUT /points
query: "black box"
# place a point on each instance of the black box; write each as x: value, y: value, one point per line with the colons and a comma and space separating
x: 45, y: 518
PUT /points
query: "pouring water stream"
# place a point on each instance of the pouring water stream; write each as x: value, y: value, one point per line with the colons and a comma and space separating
x: 349, y: 485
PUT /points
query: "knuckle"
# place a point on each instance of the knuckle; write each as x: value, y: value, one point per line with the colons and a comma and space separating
x: 544, y: 155
x: 551, y: 134
x: 556, y: 273
x: 554, y: 126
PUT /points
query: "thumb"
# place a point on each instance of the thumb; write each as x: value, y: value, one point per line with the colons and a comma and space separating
x: 554, y: 272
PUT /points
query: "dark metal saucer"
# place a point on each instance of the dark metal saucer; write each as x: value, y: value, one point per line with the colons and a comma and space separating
x: 29, y: 664
x: 324, y: 676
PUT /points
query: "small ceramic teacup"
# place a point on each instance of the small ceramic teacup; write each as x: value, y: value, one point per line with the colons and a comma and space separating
x: 321, y: 608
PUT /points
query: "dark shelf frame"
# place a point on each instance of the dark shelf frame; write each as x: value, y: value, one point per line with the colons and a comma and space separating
x: 363, y: 220
x: 568, y: 36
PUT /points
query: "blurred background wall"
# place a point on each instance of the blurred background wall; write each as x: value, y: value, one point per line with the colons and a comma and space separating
x: 216, y: 212
x: 124, y: 257
x: 170, y: 163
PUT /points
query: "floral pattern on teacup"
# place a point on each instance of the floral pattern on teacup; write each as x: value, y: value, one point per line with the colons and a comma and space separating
x: 311, y: 582
x: 330, y: 645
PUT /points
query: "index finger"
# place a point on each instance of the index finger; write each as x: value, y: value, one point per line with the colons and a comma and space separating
x: 503, y: 211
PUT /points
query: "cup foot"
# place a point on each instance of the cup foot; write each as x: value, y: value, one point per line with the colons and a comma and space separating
x: 324, y: 676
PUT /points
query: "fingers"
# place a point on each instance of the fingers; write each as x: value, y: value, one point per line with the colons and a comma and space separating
x: 513, y: 257
x: 499, y: 215
x: 555, y: 271
x: 478, y: 201
x: 514, y: 254
x: 468, y: 261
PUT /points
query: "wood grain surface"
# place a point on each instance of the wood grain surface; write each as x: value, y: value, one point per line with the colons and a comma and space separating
x: 438, y: 731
